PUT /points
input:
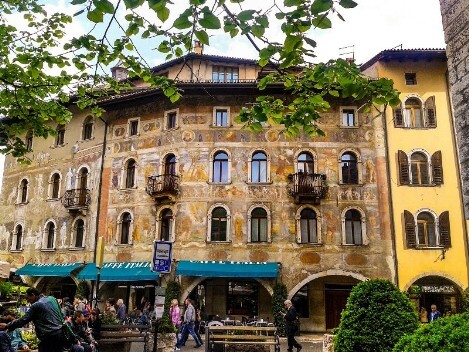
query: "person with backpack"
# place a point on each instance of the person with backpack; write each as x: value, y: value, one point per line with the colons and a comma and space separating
x: 293, y: 323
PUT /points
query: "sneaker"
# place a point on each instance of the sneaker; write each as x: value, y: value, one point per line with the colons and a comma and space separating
x: 177, y: 349
x: 197, y: 346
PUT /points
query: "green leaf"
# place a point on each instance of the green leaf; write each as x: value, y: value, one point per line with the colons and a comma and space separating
x: 319, y: 6
x: 78, y: 2
x: 258, y: 31
x: 156, y: 4
x: 293, y: 2
x: 210, y: 21
x: 322, y: 22
x: 132, y: 4
x: 163, y: 14
x: 348, y: 4
x: 310, y: 41
x: 182, y: 22
x: 95, y: 16
x: 202, y: 36
x: 234, y: 32
x: 104, y: 6
x: 246, y: 15
x: 292, y: 42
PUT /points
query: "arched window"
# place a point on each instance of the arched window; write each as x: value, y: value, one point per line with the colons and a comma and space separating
x: 426, y: 230
x: 82, y: 185
x: 309, y: 226
x: 88, y: 128
x: 55, y: 183
x: 23, y: 191
x: 219, y: 223
x: 413, y: 115
x: 125, y: 228
x: 60, y: 139
x: 259, y: 225
x: 349, y: 168
x: 130, y: 174
x: 50, y: 235
x: 259, y: 167
x: 17, y: 240
x: 305, y: 163
x: 353, y: 227
x: 419, y: 169
x: 220, y: 168
x: 170, y: 165
x: 166, y: 227
x: 79, y: 233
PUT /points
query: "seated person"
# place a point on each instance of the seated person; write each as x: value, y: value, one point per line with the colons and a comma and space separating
x: 95, y: 324
x: 17, y: 342
x: 85, y: 341
x: 5, y: 342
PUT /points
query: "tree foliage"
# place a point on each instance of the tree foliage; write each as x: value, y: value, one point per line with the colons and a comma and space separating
x: 279, y: 296
x: 444, y: 335
x: 42, y: 71
x: 173, y: 291
x: 376, y: 316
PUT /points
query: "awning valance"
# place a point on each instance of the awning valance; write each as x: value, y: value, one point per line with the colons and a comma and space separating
x: 57, y: 270
x: 119, y: 271
x: 227, y: 269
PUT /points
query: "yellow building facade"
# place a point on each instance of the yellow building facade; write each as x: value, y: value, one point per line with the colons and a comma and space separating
x: 427, y: 209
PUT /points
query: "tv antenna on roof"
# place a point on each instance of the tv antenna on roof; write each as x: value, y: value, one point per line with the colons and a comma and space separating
x: 397, y: 46
x: 350, y: 49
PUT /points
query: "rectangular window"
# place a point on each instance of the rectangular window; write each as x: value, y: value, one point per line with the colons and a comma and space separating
x: 133, y: 128
x: 242, y: 298
x: 221, y: 118
x: 410, y: 78
x: 225, y: 74
x: 171, y: 122
x: 348, y: 118
x: 87, y: 131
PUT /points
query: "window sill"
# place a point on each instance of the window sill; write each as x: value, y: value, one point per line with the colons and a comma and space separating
x: 22, y: 203
x: 48, y: 249
x: 415, y: 128
x: 58, y: 146
x: 16, y: 250
x: 216, y: 126
x: 172, y: 129
x: 350, y: 184
x: 262, y: 243
x: 349, y: 127
x: 353, y: 245
x: 133, y: 135
x: 250, y: 183
x: 426, y: 248
x: 131, y: 189
x: 86, y: 140
x: 310, y: 244
x: 76, y: 249
x: 52, y: 199
x: 219, y: 183
x: 123, y: 245
x: 218, y: 242
x: 422, y: 185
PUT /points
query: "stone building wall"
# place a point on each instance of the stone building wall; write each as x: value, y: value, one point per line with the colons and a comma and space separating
x: 455, y: 15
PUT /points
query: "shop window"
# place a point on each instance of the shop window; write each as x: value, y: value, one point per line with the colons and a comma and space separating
x: 349, y: 168
x: 79, y: 233
x: 301, y: 302
x: 87, y: 128
x: 60, y: 139
x: 130, y: 174
x: 242, y: 298
x: 225, y: 74
x: 221, y: 168
x: 17, y: 239
x: 305, y: 163
x: 259, y: 225
x: 219, y: 222
x: 166, y: 225
x: 126, y: 221
x: 308, y: 226
x: 427, y: 229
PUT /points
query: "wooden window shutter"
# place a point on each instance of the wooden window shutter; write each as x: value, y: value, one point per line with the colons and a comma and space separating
x: 403, y: 161
x: 437, y: 168
x: 430, y: 110
x: 409, y: 225
x: 445, y: 236
x: 397, y: 115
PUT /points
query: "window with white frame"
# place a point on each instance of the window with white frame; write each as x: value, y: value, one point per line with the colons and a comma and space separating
x: 171, y: 118
x: 87, y: 128
x: 426, y: 229
x: 353, y: 227
x: 349, y: 117
x: 305, y: 163
x: 221, y: 167
x: 219, y: 221
x: 23, y: 191
x: 308, y: 226
x: 49, y: 235
x: 125, y: 228
x: 129, y: 172
x: 349, y: 168
x: 55, y: 186
x: 259, y: 167
x: 221, y: 117
x: 17, y: 238
x: 166, y: 224
x: 419, y: 169
x: 259, y: 224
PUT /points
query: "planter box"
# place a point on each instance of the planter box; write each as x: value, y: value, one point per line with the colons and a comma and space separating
x: 328, y: 343
x: 165, y: 342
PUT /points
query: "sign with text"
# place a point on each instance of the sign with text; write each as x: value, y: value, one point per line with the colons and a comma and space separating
x: 162, y: 253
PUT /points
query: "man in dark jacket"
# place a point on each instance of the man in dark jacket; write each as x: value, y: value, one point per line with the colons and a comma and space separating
x: 292, y: 322
x: 80, y: 329
x: 44, y: 313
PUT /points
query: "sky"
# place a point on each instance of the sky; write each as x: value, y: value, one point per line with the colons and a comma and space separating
x: 373, y: 26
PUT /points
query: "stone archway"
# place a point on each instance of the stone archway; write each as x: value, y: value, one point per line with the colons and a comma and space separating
x: 456, y: 282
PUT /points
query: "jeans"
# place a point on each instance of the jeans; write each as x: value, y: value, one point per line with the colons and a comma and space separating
x: 188, y: 328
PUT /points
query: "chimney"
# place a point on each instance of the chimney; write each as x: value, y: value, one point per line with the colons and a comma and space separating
x: 198, y: 47
x: 119, y: 72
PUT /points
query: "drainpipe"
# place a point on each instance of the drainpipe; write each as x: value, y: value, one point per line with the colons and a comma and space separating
x: 391, y: 204
x: 96, y: 235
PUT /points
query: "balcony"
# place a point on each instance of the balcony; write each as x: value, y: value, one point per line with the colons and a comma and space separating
x: 307, y: 188
x: 163, y: 187
x: 76, y: 199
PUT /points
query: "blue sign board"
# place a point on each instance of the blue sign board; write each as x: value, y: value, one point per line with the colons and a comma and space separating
x: 162, y: 253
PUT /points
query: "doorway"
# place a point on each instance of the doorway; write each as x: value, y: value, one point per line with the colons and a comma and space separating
x: 335, y: 300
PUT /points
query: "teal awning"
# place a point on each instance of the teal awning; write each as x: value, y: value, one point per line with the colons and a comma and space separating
x: 119, y: 271
x: 227, y: 269
x: 58, y: 270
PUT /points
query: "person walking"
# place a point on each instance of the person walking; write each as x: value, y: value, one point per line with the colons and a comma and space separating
x: 434, y: 314
x: 188, y: 326
x: 44, y: 313
x: 175, y: 315
x: 292, y: 324
x: 121, y: 314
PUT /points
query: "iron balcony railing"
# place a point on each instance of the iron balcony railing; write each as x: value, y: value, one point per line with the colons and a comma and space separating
x: 76, y: 198
x: 307, y: 185
x: 162, y: 185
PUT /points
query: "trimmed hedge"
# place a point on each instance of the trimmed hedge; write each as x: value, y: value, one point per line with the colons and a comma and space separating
x: 450, y: 334
x: 376, y: 316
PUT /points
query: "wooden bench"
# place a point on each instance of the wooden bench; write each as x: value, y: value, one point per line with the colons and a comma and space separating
x: 123, y: 335
x: 241, y: 335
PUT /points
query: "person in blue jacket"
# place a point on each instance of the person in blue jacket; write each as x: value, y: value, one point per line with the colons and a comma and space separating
x: 434, y: 314
x: 17, y: 341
